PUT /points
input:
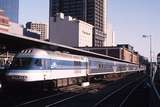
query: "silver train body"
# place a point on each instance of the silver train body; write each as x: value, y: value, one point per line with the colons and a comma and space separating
x: 158, y: 61
x: 33, y: 65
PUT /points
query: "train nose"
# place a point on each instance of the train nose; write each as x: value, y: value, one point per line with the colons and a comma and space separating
x: 16, y: 78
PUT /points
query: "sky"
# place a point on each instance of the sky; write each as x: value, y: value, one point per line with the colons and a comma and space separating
x: 33, y: 10
x: 130, y: 20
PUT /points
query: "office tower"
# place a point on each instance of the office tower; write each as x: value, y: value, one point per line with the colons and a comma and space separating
x: 110, y: 40
x: 40, y: 27
x: 11, y: 8
x: 91, y: 11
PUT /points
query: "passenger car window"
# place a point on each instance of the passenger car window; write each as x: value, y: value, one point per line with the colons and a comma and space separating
x: 38, y: 62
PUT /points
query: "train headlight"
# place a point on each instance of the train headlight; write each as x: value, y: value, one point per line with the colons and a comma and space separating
x: 0, y: 85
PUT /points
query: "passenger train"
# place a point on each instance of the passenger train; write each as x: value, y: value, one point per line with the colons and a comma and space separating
x: 158, y: 61
x: 157, y: 77
x: 37, y: 65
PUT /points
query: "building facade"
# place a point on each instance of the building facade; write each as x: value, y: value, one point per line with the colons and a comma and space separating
x: 31, y: 33
x: 110, y: 40
x: 40, y: 27
x: 8, y: 26
x: 124, y: 52
x: 91, y: 11
x: 4, y: 22
x: 15, y: 28
x: 11, y: 8
x: 69, y: 31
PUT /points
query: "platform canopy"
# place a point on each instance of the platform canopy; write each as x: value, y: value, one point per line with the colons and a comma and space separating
x: 15, y: 43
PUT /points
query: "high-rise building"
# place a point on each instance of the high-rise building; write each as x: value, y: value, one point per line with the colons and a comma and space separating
x: 11, y: 8
x: 91, y: 11
x: 40, y: 27
x: 69, y: 31
x: 110, y: 40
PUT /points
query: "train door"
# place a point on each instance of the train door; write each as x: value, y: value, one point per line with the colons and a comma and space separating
x: 87, y: 65
x: 47, y: 70
x: 53, y: 66
x: 114, y: 66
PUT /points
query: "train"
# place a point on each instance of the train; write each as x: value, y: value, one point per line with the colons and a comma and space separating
x: 157, y: 76
x: 158, y: 61
x: 35, y: 65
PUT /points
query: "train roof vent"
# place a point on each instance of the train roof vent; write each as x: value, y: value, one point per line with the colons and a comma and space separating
x: 22, y: 51
x: 26, y: 51
x: 30, y: 51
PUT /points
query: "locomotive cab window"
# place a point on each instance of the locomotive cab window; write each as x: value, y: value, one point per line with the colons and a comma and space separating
x: 21, y: 62
x: 27, y: 63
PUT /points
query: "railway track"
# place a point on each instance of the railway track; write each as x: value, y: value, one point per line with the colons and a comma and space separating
x: 55, y: 99
x: 99, y: 100
x: 119, y: 97
x: 72, y: 97
x: 89, y: 97
x: 50, y: 101
x: 40, y: 99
